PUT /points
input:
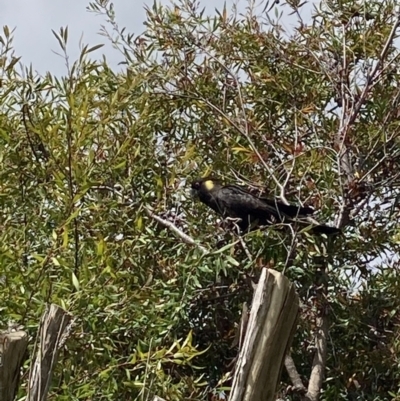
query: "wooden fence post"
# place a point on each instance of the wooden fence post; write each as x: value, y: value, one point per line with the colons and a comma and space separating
x: 53, y: 331
x: 13, y: 346
x: 270, y: 330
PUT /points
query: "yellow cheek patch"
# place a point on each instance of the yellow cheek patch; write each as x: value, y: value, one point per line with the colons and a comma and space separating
x: 208, y: 185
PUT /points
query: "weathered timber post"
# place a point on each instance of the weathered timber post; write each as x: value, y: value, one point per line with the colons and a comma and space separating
x: 54, y: 327
x: 12, y: 353
x: 269, y: 333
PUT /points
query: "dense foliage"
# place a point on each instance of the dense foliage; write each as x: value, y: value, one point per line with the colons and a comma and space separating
x: 95, y: 165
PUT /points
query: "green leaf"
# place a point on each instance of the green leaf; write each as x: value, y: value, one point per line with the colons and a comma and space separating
x: 75, y: 281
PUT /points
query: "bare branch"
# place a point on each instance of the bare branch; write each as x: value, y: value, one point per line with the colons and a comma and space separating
x: 321, y: 333
x: 318, y: 366
x: 245, y: 248
x: 371, y: 81
x: 294, y: 375
x: 186, y: 238
x: 349, y: 117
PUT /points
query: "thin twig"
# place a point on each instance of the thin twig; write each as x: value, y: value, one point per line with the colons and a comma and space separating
x: 291, y: 251
x: 245, y: 248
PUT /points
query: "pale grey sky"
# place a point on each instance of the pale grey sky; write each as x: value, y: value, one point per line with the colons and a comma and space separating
x: 34, y: 20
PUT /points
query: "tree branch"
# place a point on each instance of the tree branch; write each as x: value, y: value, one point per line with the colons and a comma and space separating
x: 349, y: 117
x: 168, y: 224
x: 321, y: 333
x: 186, y: 238
x: 294, y: 375
x: 319, y: 362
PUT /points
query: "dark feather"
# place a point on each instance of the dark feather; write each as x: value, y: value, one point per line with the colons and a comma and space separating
x: 235, y: 202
